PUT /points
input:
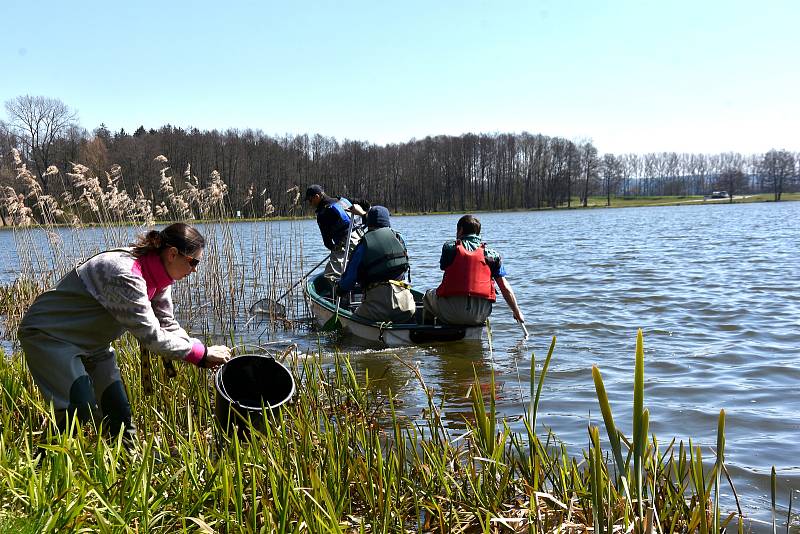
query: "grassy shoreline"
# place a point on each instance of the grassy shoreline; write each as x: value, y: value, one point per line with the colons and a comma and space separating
x: 340, y: 459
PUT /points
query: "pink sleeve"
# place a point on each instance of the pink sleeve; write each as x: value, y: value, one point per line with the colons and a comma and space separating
x: 196, y: 354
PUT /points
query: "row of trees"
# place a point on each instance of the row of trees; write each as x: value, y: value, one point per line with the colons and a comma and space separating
x: 442, y: 173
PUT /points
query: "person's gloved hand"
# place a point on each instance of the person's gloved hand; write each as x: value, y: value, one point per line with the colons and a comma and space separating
x: 215, y: 356
x: 358, y: 210
x: 363, y: 204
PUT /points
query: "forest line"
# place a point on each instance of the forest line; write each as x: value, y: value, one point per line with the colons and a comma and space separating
x: 262, y: 173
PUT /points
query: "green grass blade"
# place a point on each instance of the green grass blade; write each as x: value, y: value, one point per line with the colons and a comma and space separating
x: 718, y: 466
x: 608, y: 419
x: 638, y: 410
x: 539, y: 386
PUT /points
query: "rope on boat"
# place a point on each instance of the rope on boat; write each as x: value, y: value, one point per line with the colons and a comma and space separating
x: 381, y: 327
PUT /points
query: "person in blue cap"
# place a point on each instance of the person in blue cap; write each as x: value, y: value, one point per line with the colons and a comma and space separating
x: 379, y: 264
x: 333, y: 218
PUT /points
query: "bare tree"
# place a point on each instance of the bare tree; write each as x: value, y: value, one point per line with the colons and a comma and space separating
x: 7, y: 142
x: 732, y: 180
x: 612, y: 171
x: 39, y: 121
x: 589, y: 164
x: 778, y: 165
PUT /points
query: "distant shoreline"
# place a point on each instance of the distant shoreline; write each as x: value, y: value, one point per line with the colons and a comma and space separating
x: 593, y: 203
x: 632, y: 202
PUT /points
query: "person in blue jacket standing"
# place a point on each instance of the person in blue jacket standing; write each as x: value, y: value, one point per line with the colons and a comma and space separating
x: 333, y: 218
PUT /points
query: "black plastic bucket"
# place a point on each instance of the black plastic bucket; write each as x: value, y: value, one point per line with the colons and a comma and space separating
x: 248, y: 384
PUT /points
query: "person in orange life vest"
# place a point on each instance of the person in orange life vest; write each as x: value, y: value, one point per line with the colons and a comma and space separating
x: 471, y: 269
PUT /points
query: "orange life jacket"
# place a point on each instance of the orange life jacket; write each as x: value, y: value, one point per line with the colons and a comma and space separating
x: 468, y: 275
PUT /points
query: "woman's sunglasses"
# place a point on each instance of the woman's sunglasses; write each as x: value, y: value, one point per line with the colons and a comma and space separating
x: 194, y: 262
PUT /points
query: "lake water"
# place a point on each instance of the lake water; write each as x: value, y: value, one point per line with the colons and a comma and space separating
x: 714, y: 289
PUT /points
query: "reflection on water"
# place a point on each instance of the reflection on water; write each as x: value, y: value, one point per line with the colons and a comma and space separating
x: 714, y: 289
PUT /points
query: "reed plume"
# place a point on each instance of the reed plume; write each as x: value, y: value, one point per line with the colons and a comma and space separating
x: 295, y: 191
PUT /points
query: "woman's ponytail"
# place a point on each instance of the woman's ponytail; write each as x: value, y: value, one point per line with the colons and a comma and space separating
x: 179, y: 235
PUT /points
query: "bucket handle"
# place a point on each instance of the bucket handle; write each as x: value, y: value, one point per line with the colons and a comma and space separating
x: 221, y: 384
x: 262, y: 347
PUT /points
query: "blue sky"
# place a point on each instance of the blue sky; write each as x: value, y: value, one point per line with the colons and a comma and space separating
x: 631, y: 76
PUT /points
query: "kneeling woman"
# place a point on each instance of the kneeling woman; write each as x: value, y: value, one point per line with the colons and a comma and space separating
x: 67, y: 332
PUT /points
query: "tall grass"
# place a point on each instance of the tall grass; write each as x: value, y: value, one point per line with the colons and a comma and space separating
x: 339, y: 458
x: 88, y: 210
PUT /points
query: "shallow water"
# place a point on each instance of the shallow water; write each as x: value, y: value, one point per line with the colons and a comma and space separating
x: 714, y: 289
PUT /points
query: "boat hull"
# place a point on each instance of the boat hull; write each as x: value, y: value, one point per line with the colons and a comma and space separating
x: 390, y: 335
